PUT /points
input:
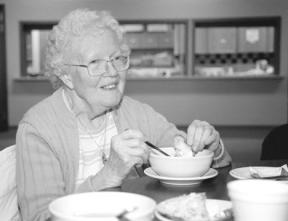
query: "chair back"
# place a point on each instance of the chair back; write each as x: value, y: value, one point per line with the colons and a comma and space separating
x: 275, y: 144
x: 8, y: 195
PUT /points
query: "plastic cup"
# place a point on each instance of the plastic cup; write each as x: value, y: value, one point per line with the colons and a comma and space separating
x: 264, y: 200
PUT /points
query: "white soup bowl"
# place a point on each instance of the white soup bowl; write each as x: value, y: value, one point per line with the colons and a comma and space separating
x: 104, y: 206
x: 180, y: 167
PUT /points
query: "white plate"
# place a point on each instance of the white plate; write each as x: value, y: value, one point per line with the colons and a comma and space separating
x: 213, y: 206
x: 187, y: 181
x: 244, y: 172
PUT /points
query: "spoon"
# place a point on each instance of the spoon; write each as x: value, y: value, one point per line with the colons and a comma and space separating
x: 156, y: 148
x: 153, y: 146
x: 122, y: 216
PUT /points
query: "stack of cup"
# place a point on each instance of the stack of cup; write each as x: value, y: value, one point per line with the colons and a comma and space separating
x: 265, y: 200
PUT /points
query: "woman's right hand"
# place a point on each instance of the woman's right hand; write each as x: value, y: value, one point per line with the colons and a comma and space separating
x: 127, y: 149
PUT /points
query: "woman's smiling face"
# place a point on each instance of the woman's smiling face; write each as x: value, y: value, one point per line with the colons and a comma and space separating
x: 100, y: 92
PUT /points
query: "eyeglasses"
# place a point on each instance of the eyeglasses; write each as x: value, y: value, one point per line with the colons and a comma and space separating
x: 98, y: 67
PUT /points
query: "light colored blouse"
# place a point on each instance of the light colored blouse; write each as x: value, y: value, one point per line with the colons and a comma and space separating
x: 94, y: 148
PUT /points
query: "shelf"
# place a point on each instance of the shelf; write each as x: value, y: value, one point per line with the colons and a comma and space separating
x: 274, y: 77
x: 158, y: 48
x: 266, y: 77
x: 152, y: 67
x: 192, y: 78
x: 31, y: 79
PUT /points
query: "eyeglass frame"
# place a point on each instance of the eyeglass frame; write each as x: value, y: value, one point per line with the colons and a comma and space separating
x: 110, y: 59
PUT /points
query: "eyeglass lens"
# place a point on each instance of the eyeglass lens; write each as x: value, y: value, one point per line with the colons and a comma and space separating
x: 120, y: 63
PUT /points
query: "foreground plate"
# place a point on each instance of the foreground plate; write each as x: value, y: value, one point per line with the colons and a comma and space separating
x: 214, y: 207
x: 188, y: 181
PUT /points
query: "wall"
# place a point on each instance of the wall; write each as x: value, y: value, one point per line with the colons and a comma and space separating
x: 229, y: 104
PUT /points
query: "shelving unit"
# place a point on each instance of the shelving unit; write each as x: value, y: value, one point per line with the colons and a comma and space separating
x: 33, y: 38
x: 158, y: 48
x: 237, y: 47
x: 243, y: 48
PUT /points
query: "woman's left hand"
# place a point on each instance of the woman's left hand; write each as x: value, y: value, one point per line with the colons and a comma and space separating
x: 201, y: 134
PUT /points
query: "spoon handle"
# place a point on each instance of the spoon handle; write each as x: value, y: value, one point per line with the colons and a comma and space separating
x: 156, y: 148
x: 121, y: 216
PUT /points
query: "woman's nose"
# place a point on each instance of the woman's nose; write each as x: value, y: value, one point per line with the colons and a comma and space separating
x: 110, y: 69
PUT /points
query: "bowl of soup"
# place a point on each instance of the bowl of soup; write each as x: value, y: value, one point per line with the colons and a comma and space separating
x: 180, y: 166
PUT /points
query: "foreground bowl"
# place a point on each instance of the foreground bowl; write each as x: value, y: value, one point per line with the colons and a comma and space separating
x: 180, y: 167
x: 104, y: 206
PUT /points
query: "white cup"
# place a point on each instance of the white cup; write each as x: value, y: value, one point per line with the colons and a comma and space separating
x: 265, y: 200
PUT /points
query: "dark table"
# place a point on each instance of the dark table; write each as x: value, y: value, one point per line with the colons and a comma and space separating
x: 215, y: 188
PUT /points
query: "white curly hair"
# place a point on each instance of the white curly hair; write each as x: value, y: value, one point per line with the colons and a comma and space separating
x: 77, y: 23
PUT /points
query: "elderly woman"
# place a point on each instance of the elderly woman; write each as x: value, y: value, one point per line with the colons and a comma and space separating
x: 88, y: 136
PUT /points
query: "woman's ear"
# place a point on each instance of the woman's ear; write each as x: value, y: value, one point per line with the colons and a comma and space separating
x: 66, y: 79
